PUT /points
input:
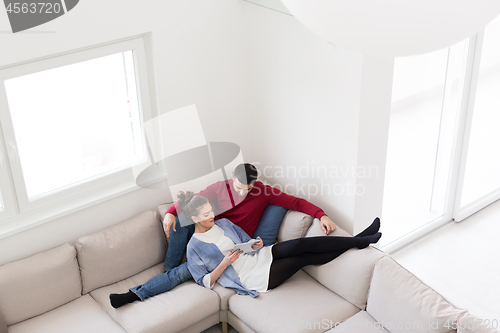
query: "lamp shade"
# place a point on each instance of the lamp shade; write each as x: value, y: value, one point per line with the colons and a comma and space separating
x: 180, y: 159
x: 394, y: 27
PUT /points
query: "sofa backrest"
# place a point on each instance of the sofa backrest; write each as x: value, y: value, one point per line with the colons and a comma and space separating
x: 402, y: 302
x: 123, y: 250
x: 40, y: 283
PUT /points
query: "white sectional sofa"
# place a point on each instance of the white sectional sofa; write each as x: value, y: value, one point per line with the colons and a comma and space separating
x: 66, y: 289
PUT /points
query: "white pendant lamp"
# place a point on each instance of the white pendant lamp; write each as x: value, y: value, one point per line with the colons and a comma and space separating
x: 394, y: 27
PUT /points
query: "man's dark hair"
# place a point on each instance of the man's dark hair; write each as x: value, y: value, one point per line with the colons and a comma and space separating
x: 246, y: 173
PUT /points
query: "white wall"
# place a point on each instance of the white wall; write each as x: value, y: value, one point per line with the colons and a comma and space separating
x: 427, y: 73
x: 373, y: 135
x: 259, y: 79
x: 69, y: 228
x: 305, y: 104
x: 198, y: 57
x: 318, y: 107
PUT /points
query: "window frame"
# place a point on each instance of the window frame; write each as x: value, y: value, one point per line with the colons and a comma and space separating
x: 18, y: 210
x: 455, y: 211
x: 6, y: 186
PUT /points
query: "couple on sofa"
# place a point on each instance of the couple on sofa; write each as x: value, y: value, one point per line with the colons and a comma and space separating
x: 238, y: 205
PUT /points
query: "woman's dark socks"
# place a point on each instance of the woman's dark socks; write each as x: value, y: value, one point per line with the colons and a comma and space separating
x: 367, y: 240
x: 118, y: 300
x: 372, y: 229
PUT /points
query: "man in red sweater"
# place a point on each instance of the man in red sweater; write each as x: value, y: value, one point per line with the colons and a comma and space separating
x: 242, y: 200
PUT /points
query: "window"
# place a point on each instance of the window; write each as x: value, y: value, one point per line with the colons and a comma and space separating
x: 73, y: 125
x: 441, y: 161
x: 425, y: 109
x: 481, y: 174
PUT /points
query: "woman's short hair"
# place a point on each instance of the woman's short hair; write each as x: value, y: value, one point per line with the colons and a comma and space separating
x: 246, y: 173
x: 190, y: 203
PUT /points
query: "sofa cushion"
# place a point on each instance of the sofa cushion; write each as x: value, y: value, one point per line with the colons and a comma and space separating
x: 120, y: 251
x: 361, y: 322
x: 348, y: 275
x: 82, y: 315
x: 269, y: 224
x: 403, y: 303
x: 40, y: 283
x: 294, y: 225
x: 237, y: 324
x: 294, y: 306
x: 203, y: 324
x: 173, y: 311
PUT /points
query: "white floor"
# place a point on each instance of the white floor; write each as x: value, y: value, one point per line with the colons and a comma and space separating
x: 462, y: 262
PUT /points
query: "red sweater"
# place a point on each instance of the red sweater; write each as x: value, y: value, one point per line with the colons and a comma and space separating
x: 247, y: 211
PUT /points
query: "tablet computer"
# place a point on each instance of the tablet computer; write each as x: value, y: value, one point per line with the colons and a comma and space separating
x: 246, y: 247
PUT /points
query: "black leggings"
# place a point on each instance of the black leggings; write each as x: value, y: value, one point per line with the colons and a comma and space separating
x: 290, y: 256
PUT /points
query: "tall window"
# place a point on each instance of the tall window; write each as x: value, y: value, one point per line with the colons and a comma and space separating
x: 73, y: 124
x: 442, y: 163
x: 482, y: 178
x: 422, y: 125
